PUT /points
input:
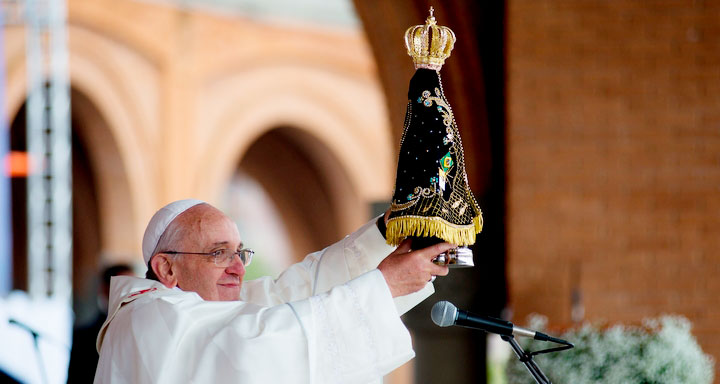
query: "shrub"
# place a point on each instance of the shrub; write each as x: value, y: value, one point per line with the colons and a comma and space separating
x: 661, y: 351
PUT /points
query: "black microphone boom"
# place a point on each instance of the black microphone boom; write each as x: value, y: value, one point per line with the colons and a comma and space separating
x: 445, y: 314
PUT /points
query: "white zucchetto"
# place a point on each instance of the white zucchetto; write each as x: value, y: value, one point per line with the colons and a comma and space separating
x: 160, y: 221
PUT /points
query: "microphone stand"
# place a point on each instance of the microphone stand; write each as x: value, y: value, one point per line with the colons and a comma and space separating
x: 526, y: 359
x: 35, y: 337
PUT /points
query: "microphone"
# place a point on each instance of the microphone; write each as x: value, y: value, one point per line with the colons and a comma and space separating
x: 445, y: 314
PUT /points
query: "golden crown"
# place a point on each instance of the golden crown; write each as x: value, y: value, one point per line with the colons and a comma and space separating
x: 429, y: 44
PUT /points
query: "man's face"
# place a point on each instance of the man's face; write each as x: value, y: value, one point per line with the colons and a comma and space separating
x: 207, y: 230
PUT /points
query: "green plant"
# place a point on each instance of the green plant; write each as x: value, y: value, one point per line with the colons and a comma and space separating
x: 661, y: 351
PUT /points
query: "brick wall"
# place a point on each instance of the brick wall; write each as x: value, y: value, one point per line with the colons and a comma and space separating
x: 614, y: 160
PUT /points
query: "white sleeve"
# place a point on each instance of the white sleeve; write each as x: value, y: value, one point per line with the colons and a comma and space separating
x: 337, y: 264
x: 354, y: 332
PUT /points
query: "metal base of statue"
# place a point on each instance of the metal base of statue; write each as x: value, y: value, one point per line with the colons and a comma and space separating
x: 460, y: 257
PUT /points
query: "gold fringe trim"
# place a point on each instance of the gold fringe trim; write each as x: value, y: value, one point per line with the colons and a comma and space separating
x: 462, y: 235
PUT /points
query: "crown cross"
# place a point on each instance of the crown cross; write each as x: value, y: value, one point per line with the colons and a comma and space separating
x: 429, y: 44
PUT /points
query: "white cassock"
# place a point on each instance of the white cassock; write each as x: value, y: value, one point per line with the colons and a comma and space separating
x: 327, y: 319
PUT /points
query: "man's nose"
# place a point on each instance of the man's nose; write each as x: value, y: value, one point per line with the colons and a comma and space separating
x: 236, y: 266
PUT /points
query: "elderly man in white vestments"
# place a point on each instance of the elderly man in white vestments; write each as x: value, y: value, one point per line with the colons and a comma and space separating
x: 332, y: 318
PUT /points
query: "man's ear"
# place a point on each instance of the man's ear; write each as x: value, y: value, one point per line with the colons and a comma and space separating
x: 162, y: 266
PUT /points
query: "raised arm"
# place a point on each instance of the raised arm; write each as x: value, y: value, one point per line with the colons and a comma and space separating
x: 320, y: 271
x: 406, y: 272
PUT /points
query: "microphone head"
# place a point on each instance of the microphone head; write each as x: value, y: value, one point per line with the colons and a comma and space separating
x: 443, y: 313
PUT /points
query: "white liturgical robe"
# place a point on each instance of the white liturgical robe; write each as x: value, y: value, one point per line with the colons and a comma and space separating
x: 327, y: 319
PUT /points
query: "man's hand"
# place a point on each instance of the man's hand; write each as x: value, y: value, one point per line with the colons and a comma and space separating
x: 408, y: 271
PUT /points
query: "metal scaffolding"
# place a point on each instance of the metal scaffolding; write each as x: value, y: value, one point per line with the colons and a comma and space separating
x: 49, y: 189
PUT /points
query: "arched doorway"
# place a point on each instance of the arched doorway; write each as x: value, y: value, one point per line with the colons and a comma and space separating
x: 302, y: 184
x: 85, y: 218
x: 95, y: 160
x: 102, y: 203
x: 86, y: 224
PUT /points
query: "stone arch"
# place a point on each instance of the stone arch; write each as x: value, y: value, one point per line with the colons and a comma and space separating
x: 110, y: 175
x: 345, y: 116
x: 308, y: 186
x: 115, y: 94
x: 87, y: 224
x: 98, y: 180
x: 117, y: 99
